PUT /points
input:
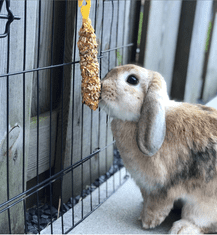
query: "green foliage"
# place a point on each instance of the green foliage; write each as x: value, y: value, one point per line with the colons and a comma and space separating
x: 119, y: 57
x: 140, y: 28
x: 208, y: 36
x: 34, y: 119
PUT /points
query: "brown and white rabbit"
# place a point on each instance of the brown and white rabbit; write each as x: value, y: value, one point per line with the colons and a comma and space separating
x: 169, y: 148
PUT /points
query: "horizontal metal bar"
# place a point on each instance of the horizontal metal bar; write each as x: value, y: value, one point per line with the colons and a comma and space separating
x: 61, y: 65
x: 128, y: 45
x: 38, y: 69
x: 49, y: 180
x: 9, y: 17
x: 42, y: 68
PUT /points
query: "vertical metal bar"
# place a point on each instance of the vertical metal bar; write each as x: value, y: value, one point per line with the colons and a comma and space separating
x: 124, y: 29
x: 38, y: 59
x: 91, y: 141
x: 82, y: 167
x: 107, y: 117
x: 61, y: 163
x: 99, y: 108
x: 82, y: 178
x: 122, y: 63
x: 95, y: 14
x: 106, y: 153
x: 116, y: 51
x: 51, y: 107
x: 122, y: 53
x: 99, y: 153
x: 109, y: 64
x: 24, y: 111
x: 123, y: 56
x: 7, y: 111
x: 75, y: 47
x: 61, y: 193
x: 82, y: 183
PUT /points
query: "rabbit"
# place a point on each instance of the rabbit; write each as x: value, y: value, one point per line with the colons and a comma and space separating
x: 168, y: 147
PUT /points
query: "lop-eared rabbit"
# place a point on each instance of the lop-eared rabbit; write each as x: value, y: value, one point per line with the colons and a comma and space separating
x: 168, y: 147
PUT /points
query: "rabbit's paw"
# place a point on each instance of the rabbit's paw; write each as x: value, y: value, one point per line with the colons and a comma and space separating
x: 184, y: 227
x: 151, y: 220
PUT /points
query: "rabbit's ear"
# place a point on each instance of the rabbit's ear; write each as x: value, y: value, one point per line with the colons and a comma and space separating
x: 152, y: 123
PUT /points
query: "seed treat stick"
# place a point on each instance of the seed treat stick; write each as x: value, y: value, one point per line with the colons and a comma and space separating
x: 87, y: 45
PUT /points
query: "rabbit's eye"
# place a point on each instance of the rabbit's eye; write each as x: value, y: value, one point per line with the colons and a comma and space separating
x: 132, y: 80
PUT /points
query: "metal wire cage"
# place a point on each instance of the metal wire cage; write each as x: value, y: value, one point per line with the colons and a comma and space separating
x: 56, y: 154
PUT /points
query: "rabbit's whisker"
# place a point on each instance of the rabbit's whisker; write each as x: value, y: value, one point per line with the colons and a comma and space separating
x: 106, y: 108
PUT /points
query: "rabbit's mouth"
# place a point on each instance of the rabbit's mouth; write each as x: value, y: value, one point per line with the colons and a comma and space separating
x: 104, y: 105
x: 108, y: 106
x: 108, y: 97
x: 117, y: 111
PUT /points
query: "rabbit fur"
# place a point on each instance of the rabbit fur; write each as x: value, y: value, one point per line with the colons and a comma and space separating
x: 168, y: 147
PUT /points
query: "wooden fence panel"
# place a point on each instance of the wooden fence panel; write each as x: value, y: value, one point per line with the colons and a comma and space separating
x: 210, y: 86
x: 133, y: 22
x: 197, y: 51
x: 64, y: 127
x: 43, y: 59
x: 48, y: 52
x: 129, y: 15
x: 16, y: 181
x: 161, y: 38
x: 183, y: 50
x: 44, y: 143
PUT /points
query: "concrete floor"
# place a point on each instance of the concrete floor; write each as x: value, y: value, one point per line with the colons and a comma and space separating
x: 119, y: 215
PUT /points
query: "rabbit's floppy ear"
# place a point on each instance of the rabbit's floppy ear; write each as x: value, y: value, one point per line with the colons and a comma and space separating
x: 152, y: 122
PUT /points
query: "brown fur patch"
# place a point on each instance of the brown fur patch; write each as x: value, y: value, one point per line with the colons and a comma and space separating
x: 155, y: 83
x: 190, y: 124
x: 192, y: 133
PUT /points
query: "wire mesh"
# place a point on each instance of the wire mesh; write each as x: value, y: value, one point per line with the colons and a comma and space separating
x: 94, y: 160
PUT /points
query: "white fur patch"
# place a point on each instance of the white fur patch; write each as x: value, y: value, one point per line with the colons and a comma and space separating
x: 119, y: 112
x: 202, y: 214
x: 170, y: 104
